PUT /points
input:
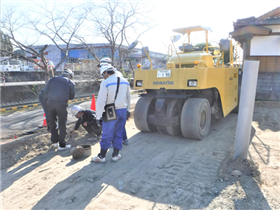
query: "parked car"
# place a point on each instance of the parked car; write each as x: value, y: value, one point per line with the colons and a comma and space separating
x: 10, y: 65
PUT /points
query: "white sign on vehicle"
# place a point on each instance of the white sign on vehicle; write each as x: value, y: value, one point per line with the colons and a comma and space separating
x: 164, y: 73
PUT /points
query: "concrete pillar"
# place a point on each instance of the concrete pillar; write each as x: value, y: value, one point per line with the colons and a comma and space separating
x: 244, y: 46
x: 246, y: 108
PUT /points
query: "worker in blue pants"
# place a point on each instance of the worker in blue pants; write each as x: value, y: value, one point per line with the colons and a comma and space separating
x: 113, y: 133
x: 114, y: 92
x: 108, y: 62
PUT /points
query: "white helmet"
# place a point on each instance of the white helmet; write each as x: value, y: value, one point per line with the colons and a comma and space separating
x: 104, y: 64
x: 68, y: 72
x: 106, y: 68
x: 75, y: 110
x: 104, y: 60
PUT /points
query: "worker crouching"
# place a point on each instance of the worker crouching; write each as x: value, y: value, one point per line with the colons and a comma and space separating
x: 86, y: 118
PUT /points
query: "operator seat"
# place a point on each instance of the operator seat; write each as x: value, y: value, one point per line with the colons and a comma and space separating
x: 187, y: 48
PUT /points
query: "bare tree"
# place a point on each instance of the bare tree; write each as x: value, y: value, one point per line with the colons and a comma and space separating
x: 60, y: 23
x: 11, y: 24
x: 90, y: 47
x: 113, y: 21
x: 57, y: 25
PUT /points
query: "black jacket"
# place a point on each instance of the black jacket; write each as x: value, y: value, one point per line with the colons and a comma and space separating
x: 89, y: 117
x: 42, y: 96
x: 59, y: 89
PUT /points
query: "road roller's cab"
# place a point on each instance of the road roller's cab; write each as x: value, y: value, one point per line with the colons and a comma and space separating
x: 195, y: 86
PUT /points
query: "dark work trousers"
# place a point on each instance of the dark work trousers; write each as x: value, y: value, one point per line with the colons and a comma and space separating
x: 93, y: 129
x: 57, y: 110
x: 41, y: 99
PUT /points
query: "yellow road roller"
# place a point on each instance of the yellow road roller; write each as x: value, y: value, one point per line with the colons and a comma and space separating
x: 194, y: 87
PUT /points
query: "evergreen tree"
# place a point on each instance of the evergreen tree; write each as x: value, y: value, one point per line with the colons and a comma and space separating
x: 200, y: 46
x: 6, y: 47
x: 19, y: 53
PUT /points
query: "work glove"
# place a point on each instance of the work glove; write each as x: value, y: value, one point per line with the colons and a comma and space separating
x: 127, y: 115
x: 99, y: 122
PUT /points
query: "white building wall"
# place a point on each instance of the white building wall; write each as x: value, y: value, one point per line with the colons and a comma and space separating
x: 274, y: 29
x: 265, y: 46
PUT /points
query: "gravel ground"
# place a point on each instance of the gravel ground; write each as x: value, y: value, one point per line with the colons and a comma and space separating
x: 156, y: 171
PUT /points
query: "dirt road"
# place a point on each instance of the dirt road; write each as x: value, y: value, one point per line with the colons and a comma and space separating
x: 156, y: 171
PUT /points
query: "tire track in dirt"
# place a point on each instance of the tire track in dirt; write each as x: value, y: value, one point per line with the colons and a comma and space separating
x: 208, y: 159
x: 195, y: 168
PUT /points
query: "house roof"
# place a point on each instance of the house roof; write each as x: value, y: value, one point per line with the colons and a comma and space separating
x: 272, y: 13
x: 246, y: 28
x: 247, y: 32
x: 258, y: 30
x: 269, y: 18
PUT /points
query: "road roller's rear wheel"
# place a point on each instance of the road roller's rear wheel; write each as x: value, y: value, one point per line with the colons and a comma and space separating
x: 162, y: 129
x: 196, y: 118
x: 174, y: 110
x: 144, y: 107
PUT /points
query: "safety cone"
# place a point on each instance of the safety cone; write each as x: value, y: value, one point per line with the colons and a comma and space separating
x: 92, y: 107
x: 44, y: 122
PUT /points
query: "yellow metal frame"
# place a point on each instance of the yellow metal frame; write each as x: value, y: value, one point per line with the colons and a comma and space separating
x: 225, y: 80
x: 177, y: 54
x: 169, y: 47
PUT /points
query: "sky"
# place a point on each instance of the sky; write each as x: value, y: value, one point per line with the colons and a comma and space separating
x: 219, y: 15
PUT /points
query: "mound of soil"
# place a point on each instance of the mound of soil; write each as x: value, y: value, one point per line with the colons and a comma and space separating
x: 30, y: 146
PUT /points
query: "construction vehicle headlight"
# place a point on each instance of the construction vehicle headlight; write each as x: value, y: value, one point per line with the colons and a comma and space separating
x: 192, y: 83
x: 139, y: 83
